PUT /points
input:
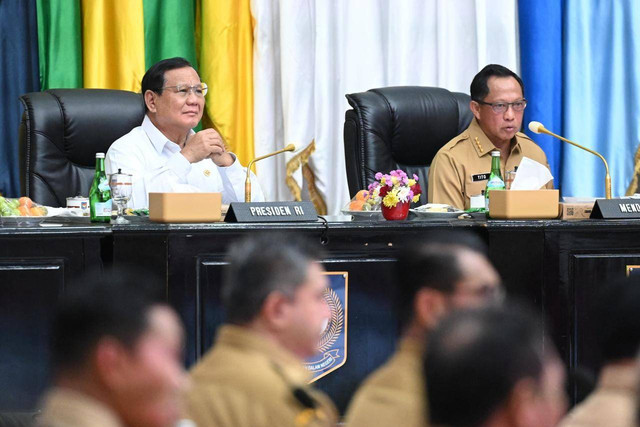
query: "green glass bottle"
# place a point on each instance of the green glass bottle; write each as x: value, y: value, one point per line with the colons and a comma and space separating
x: 100, y: 193
x: 495, y: 181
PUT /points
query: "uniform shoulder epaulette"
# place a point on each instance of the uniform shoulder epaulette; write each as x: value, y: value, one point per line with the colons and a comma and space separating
x: 460, y: 138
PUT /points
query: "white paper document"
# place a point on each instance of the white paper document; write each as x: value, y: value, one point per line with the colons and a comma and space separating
x: 531, y: 175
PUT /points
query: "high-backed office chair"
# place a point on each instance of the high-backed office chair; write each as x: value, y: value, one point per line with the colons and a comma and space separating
x: 400, y: 128
x: 60, y: 133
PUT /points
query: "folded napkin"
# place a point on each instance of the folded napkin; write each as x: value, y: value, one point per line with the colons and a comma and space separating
x: 531, y: 175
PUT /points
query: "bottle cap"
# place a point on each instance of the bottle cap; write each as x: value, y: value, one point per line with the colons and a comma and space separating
x: 99, y: 155
x: 495, y: 153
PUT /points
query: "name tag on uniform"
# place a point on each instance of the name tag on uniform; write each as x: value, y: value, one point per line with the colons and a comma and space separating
x: 480, y: 177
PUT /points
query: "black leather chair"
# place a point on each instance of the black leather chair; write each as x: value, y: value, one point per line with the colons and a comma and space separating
x: 400, y: 128
x: 60, y: 133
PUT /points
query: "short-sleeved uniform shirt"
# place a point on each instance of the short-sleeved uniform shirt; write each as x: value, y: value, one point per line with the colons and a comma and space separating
x: 394, y: 394
x: 246, y: 380
x: 461, y: 167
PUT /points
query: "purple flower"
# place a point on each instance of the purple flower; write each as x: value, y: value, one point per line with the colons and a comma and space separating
x: 415, y: 177
x: 378, y: 176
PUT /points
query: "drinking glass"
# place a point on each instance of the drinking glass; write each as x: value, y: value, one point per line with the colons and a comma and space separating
x: 121, y: 188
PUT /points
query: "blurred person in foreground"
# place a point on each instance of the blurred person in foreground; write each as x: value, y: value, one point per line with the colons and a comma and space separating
x: 446, y: 273
x: 116, y: 358
x: 164, y: 154
x: 492, y: 367
x: 615, y: 315
x: 254, y: 374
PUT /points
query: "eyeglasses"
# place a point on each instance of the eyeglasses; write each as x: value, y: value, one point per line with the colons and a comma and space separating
x: 183, y: 90
x: 502, y: 107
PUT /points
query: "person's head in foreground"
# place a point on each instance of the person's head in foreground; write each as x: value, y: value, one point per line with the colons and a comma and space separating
x: 118, y: 345
x: 491, y: 367
x: 274, y: 285
x: 448, y: 271
x: 498, y: 103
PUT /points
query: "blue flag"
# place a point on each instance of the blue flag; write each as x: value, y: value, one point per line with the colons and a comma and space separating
x: 18, y: 75
x: 540, y: 24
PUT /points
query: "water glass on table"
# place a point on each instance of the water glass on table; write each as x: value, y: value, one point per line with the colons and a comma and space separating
x: 121, y: 189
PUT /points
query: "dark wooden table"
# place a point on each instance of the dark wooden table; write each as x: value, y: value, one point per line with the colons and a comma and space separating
x: 554, y: 265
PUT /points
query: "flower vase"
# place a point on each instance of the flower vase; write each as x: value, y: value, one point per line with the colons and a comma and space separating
x: 396, y: 213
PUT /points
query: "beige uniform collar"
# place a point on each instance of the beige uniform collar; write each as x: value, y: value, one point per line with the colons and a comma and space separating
x: 620, y: 377
x: 411, y: 347
x: 482, y: 144
x: 63, y: 406
x: 247, y: 340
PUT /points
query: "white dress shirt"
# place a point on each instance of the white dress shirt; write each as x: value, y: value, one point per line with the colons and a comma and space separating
x: 158, y: 166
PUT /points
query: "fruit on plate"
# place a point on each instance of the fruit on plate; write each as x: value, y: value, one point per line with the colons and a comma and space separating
x: 358, y: 202
x: 23, y: 206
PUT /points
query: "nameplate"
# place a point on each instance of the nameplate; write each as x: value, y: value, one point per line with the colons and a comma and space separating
x: 271, y: 212
x: 480, y: 177
x: 616, y: 209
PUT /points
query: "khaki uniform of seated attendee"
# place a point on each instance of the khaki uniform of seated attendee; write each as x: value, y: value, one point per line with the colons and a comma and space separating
x: 116, y: 357
x: 254, y: 375
x: 613, y: 403
x: 446, y: 273
x: 461, y: 167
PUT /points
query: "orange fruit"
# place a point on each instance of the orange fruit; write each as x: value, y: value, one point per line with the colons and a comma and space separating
x: 362, y: 195
x: 24, y: 211
x: 356, y: 205
x: 36, y: 211
x: 25, y: 201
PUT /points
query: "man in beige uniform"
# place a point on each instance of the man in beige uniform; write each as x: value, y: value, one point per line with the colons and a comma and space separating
x: 434, y: 278
x: 253, y: 375
x: 117, y: 358
x: 461, y: 167
x: 617, y: 326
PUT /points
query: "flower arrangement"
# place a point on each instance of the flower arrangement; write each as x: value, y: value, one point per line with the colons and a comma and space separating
x: 393, y: 188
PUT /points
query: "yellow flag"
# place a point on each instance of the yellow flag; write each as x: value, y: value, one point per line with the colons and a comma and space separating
x: 226, y: 65
x: 113, y: 44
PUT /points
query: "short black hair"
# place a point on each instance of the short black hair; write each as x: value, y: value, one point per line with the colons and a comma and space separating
x: 116, y: 305
x: 432, y: 263
x: 616, y: 319
x: 479, y: 87
x: 154, y: 77
x: 474, y: 359
x: 261, y: 264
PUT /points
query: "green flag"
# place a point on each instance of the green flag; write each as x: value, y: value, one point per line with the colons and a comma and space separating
x: 59, y: 43
x: 169, y: 30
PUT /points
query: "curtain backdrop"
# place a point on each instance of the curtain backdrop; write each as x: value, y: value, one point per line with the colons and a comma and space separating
x: 309, y: 54
x: 279, y: 70
x: 601, y: 93
x: 18, y: 75
x: 541, y: 70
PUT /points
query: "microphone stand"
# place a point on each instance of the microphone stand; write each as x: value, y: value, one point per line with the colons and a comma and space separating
x: 607, y: 178
x: 247, y: 182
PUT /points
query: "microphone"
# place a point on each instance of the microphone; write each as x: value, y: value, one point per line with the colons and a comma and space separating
x: 537, y: 127
x: 247, y: 182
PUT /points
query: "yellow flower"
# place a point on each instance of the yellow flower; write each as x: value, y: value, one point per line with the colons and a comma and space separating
x: 411, y: 182
x: 383, y: 181
x: 416, y: 198
x: 394, y: 180
x: 390, y: 200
